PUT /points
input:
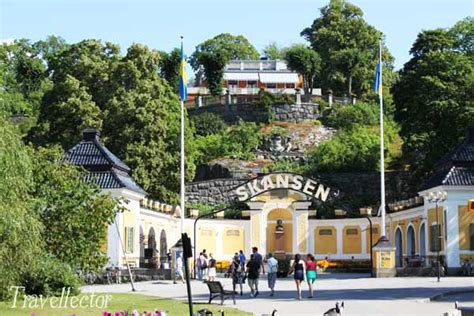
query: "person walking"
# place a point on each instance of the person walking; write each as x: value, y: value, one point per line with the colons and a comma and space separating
x: 199, y: 266
x: 272, y: 272
x: 311, y: 273
x: 259, y: 259
x: 179, y: 267
x: 242, y: 258
x: 212, y: 268
x: 298, y: 268
x: 253, y: 272
x: 204, y: 265
x: 237, y: 273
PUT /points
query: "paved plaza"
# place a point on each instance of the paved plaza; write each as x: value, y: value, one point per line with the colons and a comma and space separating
x: 361, y: 294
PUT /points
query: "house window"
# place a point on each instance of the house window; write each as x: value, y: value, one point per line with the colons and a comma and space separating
x: 434, y: 240
x: 271, y: 85
x: 471, y: 233
x: 129, y: 239
x: 232, y: 83
x: 290, y: 85
x: 252, y: 84
x: 352, y: 231
x: 325, y: 232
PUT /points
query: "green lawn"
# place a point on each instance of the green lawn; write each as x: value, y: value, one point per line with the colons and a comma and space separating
x: 118, y: 302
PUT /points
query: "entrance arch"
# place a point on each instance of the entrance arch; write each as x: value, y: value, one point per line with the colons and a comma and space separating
x: 399, y: 247
x: 422, y: 240
x: 280, y: 231
x: 151, y: 239
x: 411, y: 243
x: 163, y: 246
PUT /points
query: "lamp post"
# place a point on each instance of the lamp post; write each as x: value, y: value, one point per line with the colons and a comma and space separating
x: 437, y: 197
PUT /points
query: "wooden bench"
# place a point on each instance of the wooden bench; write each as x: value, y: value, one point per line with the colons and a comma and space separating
x: 216, y: 290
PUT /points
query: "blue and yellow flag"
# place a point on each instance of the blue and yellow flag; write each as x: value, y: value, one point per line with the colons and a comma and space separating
x: 378, y: 81
x: 183, y: 81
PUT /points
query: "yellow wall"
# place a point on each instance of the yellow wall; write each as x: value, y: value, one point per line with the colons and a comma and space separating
x: 466, y: 218
x: 351, y: 243
x: 325, y: 244
x: 231, y: 241
x: 287, y: 238
x: 375, y: 236
x: 207, y: 239
x: 280, y: 214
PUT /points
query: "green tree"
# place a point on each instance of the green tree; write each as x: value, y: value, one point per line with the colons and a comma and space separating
x: 348, y: 47
x: 348, y: 116
x: 169, y: 66
x: 434, y: 97
x: 306, y: 62
x: 20, y: 229
x: 94, y: 86
x: 273, y: 51
x: 213, y: 55
x: 208, y: 123
x: 74, y: 214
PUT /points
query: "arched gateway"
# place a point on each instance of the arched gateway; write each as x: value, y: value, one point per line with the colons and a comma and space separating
x: 279, y: 209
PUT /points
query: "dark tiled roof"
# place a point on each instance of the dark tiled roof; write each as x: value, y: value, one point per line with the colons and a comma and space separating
x: 93, y: 153
x: 456, y: 176
x: 457, y: 167
x: 104, y: 168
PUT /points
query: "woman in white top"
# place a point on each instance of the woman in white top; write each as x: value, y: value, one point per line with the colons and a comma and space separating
x: 212, y: 268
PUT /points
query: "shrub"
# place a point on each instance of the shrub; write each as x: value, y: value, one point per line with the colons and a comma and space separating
x: 49, y: 277
x: 207, y: 124
x: 283, y: 268
x: 348, y: 116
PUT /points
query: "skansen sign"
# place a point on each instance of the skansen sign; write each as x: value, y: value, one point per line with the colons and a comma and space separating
x: 277, y: 181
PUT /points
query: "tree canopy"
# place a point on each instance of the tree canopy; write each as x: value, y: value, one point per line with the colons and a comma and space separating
x: 348, y: 47
x: 214, y: 54
x: 124, y: 96
x: 434, y: 95
x: 306, y: 62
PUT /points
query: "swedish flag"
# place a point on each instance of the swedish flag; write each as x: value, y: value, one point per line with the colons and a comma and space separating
x: 183, y: 81
x: 378, y: 80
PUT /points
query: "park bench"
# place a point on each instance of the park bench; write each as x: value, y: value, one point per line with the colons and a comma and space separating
x: 216, y: 290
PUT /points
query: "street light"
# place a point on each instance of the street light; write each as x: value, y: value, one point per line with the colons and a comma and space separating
x: 437, y: 197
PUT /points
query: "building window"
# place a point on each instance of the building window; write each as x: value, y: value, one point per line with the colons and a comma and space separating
x: 434, y: 240
x: 352, y: 231
x: 129, y: 239
x: 471, y: 233
x: 375, y: 230
x: 232, y: 83
x: 290, y: 85
x: 252, y: 84
x: 271, y: 85
x: 325, y: 232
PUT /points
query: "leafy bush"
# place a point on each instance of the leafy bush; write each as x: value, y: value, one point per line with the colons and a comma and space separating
x: 348, y: 116
x: 49, y: 277
x: 355, y: 149
x: 237, y: 142
x: 283, y: 268
x: 284, y: 165
x: 207, y: 124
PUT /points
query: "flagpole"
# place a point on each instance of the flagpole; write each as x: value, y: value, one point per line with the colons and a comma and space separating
x: 181, y: 199
x: 382, y: 160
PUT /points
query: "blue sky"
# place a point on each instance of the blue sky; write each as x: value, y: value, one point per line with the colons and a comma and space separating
x: 159, y: 23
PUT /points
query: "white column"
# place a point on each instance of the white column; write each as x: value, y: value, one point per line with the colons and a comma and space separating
x: 339, y: 235
x: 363, y: 232
x: 452, y: 227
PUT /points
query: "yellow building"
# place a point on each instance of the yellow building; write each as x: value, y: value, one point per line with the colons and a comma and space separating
x: 280, y: 219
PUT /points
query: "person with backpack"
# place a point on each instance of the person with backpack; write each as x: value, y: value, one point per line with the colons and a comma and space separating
x: 204, y: 265
x: 237, y: 273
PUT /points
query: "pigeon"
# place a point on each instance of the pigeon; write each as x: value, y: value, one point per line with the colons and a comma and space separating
x: 336, y: 311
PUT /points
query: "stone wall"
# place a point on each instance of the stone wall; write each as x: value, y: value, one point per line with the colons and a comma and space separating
x: 294, y: 113
x: 362, y: 187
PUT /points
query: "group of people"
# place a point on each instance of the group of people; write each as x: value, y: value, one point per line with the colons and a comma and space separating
x: 206, y: 266
x: 241, y: 269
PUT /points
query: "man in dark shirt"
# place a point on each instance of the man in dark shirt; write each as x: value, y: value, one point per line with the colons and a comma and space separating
x: 258, y: 257
x: 253, y: 272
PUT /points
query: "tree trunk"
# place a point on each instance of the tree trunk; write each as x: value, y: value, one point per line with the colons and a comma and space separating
x: 350, y: 85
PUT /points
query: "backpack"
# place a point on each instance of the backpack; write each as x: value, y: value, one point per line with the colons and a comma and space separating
x: 204, y: 264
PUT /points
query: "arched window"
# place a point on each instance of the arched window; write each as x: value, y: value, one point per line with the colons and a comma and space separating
x: 399, y: 248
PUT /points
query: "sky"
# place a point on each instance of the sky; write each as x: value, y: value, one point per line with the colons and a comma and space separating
x: 160, y: 23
